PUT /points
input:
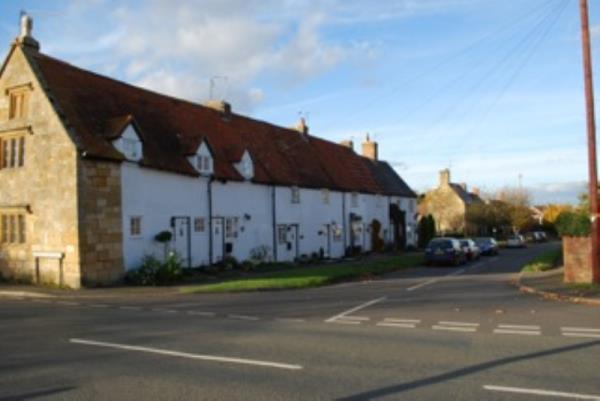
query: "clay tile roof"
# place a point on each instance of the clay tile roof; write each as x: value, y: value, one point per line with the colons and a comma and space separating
x: 97, y: 109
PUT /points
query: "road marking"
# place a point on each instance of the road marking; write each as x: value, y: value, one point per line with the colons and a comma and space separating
x: 356, y: 308
x: 435, y: 280
x: 461, y: 324
x: 583, y: 335
x: 359, y: 318
x: 130, y: 307
x: 540, y: 392
x: 69, y: 303
x: 289, y: 320
x: 99, y: 306
x: 454, y: 328
x: 518, y: 327
x: 343, y: 321
x: 198, y: 313
x: 398, y: 325
x: 407, y: 321
x: 522, y: 332
x: 580, y: 329
x: 243, y: 317
x: 165, y: 310
x: 212, y: 358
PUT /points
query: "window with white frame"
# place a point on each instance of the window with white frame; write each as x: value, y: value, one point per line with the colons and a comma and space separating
x: 295, y: 194
x: 354, y: 199
x: 199, y: 224
x: 231, y: 227
x: 204, y: 164
x: 135, y: 226
x: 325, y: 195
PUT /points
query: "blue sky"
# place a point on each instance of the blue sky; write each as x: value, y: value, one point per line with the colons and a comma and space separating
x: 491, y: 88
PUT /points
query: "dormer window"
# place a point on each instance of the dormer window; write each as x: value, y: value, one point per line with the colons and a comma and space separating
x: 129, y: 144
x: 203, y: 161
x: 246, y: 167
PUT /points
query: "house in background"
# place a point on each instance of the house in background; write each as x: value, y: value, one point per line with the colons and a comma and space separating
x: 92, y: 169
x: 448, y: 204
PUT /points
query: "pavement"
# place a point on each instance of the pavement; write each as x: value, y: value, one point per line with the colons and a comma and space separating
x: 463, y: 333
x: 550, y: 285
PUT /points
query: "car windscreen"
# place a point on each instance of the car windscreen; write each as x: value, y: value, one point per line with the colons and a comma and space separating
x: 440, y: 244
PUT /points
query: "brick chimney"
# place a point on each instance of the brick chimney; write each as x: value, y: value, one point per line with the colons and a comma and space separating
x: 347, y: 143
x: 476, y: 191
x: 463, y: 185
x: 445, y: 178
x: 25, y: 37
x: 369, y: 148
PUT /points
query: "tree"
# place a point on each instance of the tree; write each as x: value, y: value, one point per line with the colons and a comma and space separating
x: 519, y: 212
x: 426, y: 230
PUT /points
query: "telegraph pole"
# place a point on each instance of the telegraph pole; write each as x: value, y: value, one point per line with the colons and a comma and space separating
x: 591, y: 138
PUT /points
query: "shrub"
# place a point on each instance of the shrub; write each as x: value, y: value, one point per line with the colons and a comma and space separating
x: 229, y: 263
x: 573, y: 224
x: 163, y: 236
x: 154, y: 272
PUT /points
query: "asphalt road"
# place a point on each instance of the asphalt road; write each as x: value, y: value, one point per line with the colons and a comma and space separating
x: 426, y: 334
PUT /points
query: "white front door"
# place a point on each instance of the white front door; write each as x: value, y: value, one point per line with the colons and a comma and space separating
x: 287, y: 242
x: 181, y: 239
x: 217, y: 240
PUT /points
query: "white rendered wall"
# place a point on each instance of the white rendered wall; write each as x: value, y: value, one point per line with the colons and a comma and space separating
x: 251, y: 205
x: 315, y: 218
x: 156, y: 197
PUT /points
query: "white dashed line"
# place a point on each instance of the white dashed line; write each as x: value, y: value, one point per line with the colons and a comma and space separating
x: 289, y: 320
x: 455, y: 328
x: 343, y: 321
x: 583, y: 332
x: 198, y: 313
x: 243, y: 317
x: 358, y: 318
x: 178, y: 354
x: 404, y: 321
x: 459, y: 324
x: 518, y: 327
x: 521, y: 332
x: 164, y: 310
x: 69, y: 303
x: 581, y: 329
x: 540, y: 392
x: 398, y: 325
x: 352, y: 310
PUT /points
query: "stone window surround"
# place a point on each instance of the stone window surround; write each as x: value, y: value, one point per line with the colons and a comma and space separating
x: 17, y: 235
x: 18, y: 95
x: 12, y: 150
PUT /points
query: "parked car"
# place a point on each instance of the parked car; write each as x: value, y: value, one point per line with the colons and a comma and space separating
x: 444, y: 251
x: 487, y: 245
x: 540, y: 236
x: 516, y: 241
x: 470, y: 249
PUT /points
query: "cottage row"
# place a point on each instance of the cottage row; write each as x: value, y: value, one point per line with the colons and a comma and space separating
x: 93, y: 169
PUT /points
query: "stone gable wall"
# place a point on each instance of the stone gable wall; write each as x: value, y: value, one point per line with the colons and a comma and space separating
x: 46, y: 183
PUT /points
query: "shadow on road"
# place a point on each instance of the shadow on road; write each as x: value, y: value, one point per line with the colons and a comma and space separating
x: 36, y: 394
x: 399, y: 388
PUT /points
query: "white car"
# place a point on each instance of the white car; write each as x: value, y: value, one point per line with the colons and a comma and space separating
x: 516, y: 241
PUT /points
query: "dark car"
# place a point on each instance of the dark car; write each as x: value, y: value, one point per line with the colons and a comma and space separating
x: 487, y: 245
x: 470, y: 249
x: 444, y: 251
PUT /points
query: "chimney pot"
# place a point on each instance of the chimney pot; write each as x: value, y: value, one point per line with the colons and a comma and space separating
x: 302, y: 127
x: 25, y: 37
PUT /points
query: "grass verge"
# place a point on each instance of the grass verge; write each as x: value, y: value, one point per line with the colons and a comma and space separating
x: 314, y: 276
x: 543, y: 262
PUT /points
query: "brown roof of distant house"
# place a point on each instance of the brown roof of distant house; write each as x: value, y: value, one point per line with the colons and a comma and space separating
x: 97, y: 109
x: 465, y: 195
